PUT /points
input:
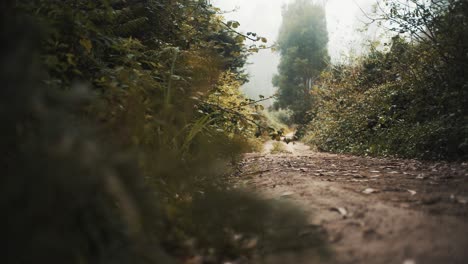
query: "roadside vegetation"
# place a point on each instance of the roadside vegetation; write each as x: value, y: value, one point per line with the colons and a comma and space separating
x: 120, y: 119
x: 406, y: 97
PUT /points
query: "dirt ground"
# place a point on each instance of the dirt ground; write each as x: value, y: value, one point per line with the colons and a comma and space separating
x: 372, y: 210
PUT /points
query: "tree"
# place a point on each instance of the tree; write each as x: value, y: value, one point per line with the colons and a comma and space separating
x: 302, y: 43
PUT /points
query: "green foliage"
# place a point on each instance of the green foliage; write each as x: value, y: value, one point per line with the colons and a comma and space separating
x: 231, y: 111
x: 118, y: 120
x: 411, y: 101
x: 302, y: 43
x: 140, y: 64
x: 65, y: 197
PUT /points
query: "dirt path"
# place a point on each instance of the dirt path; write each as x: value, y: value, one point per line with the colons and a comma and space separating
x: 373, y: 210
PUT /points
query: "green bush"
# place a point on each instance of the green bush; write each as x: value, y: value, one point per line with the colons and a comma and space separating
x: 399, y: 103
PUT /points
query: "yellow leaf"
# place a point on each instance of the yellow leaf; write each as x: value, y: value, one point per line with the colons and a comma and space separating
x: 70, y: 59
x: 86, y: 43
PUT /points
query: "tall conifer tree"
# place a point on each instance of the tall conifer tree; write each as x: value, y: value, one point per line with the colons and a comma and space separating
x: 302, y: 42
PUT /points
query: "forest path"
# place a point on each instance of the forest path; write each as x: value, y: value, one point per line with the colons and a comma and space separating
x: 373, y: 210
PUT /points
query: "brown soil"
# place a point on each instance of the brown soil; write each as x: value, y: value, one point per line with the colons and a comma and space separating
x: 372, y: 210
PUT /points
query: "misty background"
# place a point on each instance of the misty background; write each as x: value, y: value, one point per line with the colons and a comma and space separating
x: 344, y: 20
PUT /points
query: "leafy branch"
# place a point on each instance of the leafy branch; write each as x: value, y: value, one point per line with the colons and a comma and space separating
x: 252, y: 102
x: 232, y: 25
x: 238, y: 114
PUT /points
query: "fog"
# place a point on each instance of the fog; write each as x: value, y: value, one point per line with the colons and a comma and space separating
x: 344, y: 18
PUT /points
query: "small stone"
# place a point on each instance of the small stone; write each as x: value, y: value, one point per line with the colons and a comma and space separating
x: 286, y: 194
x: 369, y: 191
x: 421, y: 176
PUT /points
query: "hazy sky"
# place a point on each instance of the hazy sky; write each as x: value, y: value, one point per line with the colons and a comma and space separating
x: 264, y: 18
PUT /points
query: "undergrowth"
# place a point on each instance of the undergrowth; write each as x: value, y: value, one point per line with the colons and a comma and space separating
x: 118, y: 121
x: 408, y: 101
